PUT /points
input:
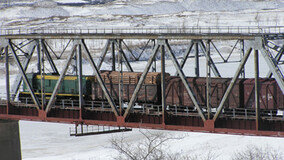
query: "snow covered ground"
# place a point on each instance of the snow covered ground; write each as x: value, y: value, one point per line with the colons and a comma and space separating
x: 49, y: 141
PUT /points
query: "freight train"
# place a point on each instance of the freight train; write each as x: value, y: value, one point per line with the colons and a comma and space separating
x: 242, y: 95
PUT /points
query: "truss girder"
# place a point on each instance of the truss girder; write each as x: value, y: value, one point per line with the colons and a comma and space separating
x: 99, y: 78
x: 49, y: 58
x: 185, y: 56
x: 213, y: 66
x: 274, y: 68
x: 232, y: 83
x: 129, y: 68
x: 103, y: 54
x: 185, y: 82
x: 141, y: 81
x: 59, y: 81
x: 18, y: 80
x: 22, y: 71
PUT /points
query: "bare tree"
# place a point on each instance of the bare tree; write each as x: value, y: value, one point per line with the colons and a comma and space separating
x: 152, y: 148
x: 257, y: 153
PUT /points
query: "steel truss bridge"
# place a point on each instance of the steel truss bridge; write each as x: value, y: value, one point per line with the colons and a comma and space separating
x: 201, y: 118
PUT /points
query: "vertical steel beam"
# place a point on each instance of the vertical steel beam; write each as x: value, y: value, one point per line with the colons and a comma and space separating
x: 232, y: 83
x: 38, y: 56
x: 163, y: 85
x: 113, y: 54
x: 22, y: 71
x: 99, y: 78
x: 208, y: 81
x: 102, y: 57
x: 154, y: 66
x: 49, y: 58
x: 141, y: 81
x: 79, y: 69
x: 242, y: 48
x: 196, y: 59
x: 185, y: 82
x: 18, y: 80
x: 185, y: 56
x: 120, y: 87
x: 61, y: 78
x: 42, y: 75
x: 7, y: 76
x: 256, y: 88
x: 213, y: 66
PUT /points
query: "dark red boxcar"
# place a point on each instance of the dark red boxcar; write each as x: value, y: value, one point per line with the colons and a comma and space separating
x: 176, y: 93
x: 271, y: 96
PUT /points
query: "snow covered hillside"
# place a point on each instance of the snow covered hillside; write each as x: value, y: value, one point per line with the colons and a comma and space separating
x: 146, y: 13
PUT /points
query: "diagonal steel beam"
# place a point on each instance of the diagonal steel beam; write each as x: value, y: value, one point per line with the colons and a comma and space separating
x: 277, y: 58
x: 22, y: 71
x: 274, y: 68
x: 232, y: 51
x: 141, y: 81
x: 185, y: 82
x: 129, y: 50
x: 129, y: 68
x: 232, y: 83
x: 102, y: 57
x: 51, y: 49
x: 53, y: 66
x: 59, y: 81
x: 99, y: 78
x: 185, y: 56
x: 218, y: 51
x: 213, y: 66
x: 18, y: 48
x: 143, y: 49
x: 64, y: 49
x: 18, y: 80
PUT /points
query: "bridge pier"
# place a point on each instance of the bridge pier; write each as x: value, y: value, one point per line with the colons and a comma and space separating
x: 10, y: 147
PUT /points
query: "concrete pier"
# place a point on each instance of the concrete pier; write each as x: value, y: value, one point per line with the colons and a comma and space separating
x: 10, y: 146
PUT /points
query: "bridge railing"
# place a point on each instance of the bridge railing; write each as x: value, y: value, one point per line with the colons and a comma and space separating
x: 160, y: 30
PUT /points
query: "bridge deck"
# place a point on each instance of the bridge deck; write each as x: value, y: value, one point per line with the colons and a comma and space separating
x: 229, y: 33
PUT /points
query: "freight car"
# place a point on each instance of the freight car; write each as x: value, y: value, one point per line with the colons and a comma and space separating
x: 241, y: 96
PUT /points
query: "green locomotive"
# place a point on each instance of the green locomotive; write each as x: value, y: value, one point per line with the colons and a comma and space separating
x: 68, y: 88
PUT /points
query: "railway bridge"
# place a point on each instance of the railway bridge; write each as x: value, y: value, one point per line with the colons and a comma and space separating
x: 25, y: 45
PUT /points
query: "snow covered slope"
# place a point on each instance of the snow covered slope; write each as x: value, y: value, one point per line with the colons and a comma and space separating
x: 134, y: 13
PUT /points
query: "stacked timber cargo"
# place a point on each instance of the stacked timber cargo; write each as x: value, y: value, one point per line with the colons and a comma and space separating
x: 150, y: 91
